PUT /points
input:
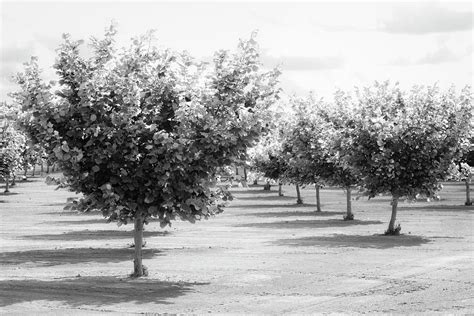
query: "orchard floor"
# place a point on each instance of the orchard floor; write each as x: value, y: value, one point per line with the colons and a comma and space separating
x: 263, y: 255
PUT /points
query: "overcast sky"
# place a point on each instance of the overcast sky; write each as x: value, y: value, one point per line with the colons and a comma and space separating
x: 321, y: 46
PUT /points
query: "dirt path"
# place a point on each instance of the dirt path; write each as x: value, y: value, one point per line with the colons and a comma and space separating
x: 264, y: 255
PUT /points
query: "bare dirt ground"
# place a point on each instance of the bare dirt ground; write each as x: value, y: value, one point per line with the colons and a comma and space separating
x: 263, y: 255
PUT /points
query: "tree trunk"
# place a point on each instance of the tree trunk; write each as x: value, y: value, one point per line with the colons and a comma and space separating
x: 245, y: 174
x: 391, y: 225
x: 255, y: 182
x: 42, y: 168
x: 138, y: 269
x: 34, y: 169
x: 349, y: 214
x: 7, y: 180
x: 267, y: 186
x: 26, y: 170
x: 280, y: 193
x: 299, y: 200
x: 468, y: 192
x: 13, y: 180
x: 47, y: 167
x: 318, y: 200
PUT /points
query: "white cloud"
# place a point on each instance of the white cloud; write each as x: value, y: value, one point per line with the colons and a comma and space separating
x: 321, y: 45
x: 427, y: 17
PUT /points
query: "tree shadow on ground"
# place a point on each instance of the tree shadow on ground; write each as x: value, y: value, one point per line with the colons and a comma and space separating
x: 79, y: 222
x: 261, y: 191
x: 93, y: 291
x: 388, y: 200
x: 274, y: 197
x: 73, y: 213
x: 56, y: 204
x: 94, y: 234
x: 309, y: 224
x: 357, y: 241
x: 257, y: 206
x: 53, y: 257
x: 293, y: 213
x: 8, y: 193
x: 438, y: 208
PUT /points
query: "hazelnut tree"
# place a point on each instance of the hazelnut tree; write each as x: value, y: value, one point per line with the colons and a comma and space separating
x: 404, y: 143
x: 141, y: 131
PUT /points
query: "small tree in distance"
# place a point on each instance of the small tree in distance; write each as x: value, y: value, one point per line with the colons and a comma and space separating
x: 266, y: 157
x: 338, y: 172
x: 404, y: 144
x: 305, y: 157
x: 12, y: 144
x: 463, y: 170
x: 140, y: 132
x: 313, y: 148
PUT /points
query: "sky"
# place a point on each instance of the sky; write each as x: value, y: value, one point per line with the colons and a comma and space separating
x: 320, y: 46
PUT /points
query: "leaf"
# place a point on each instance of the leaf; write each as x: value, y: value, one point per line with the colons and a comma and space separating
x: 149, y: 199
x: 153, y: 209
x: 96, y: 168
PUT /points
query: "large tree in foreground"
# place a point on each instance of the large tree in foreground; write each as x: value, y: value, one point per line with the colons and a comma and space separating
x: 140, y: 132
x: 404, y: 144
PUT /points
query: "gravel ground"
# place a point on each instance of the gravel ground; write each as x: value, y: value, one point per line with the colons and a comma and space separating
x: 263, y: 255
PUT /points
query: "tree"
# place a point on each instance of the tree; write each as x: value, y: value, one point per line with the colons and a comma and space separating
x: 31, y: 156
x: 404, y: 143
x: 466, y: 175
x: 312, y: 148
x: 303, y: 159
x: 12, y: 142
x: 463, y: 170
x: 338, y: 172
x: 11, y: 148
x: 466, y: 167
x: 140, y: 132
x: 266, y: 157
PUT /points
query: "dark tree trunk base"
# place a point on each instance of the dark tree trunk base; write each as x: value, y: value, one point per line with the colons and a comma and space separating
x: 143, y: 273
x: 299, y: 202
x: 393, y: 232
x: 348, y: 217
x: 267, y: 187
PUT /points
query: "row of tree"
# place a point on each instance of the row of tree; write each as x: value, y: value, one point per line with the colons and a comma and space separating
x: 142, y: 132
x: 378, y: 140
x: 18, y: 153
